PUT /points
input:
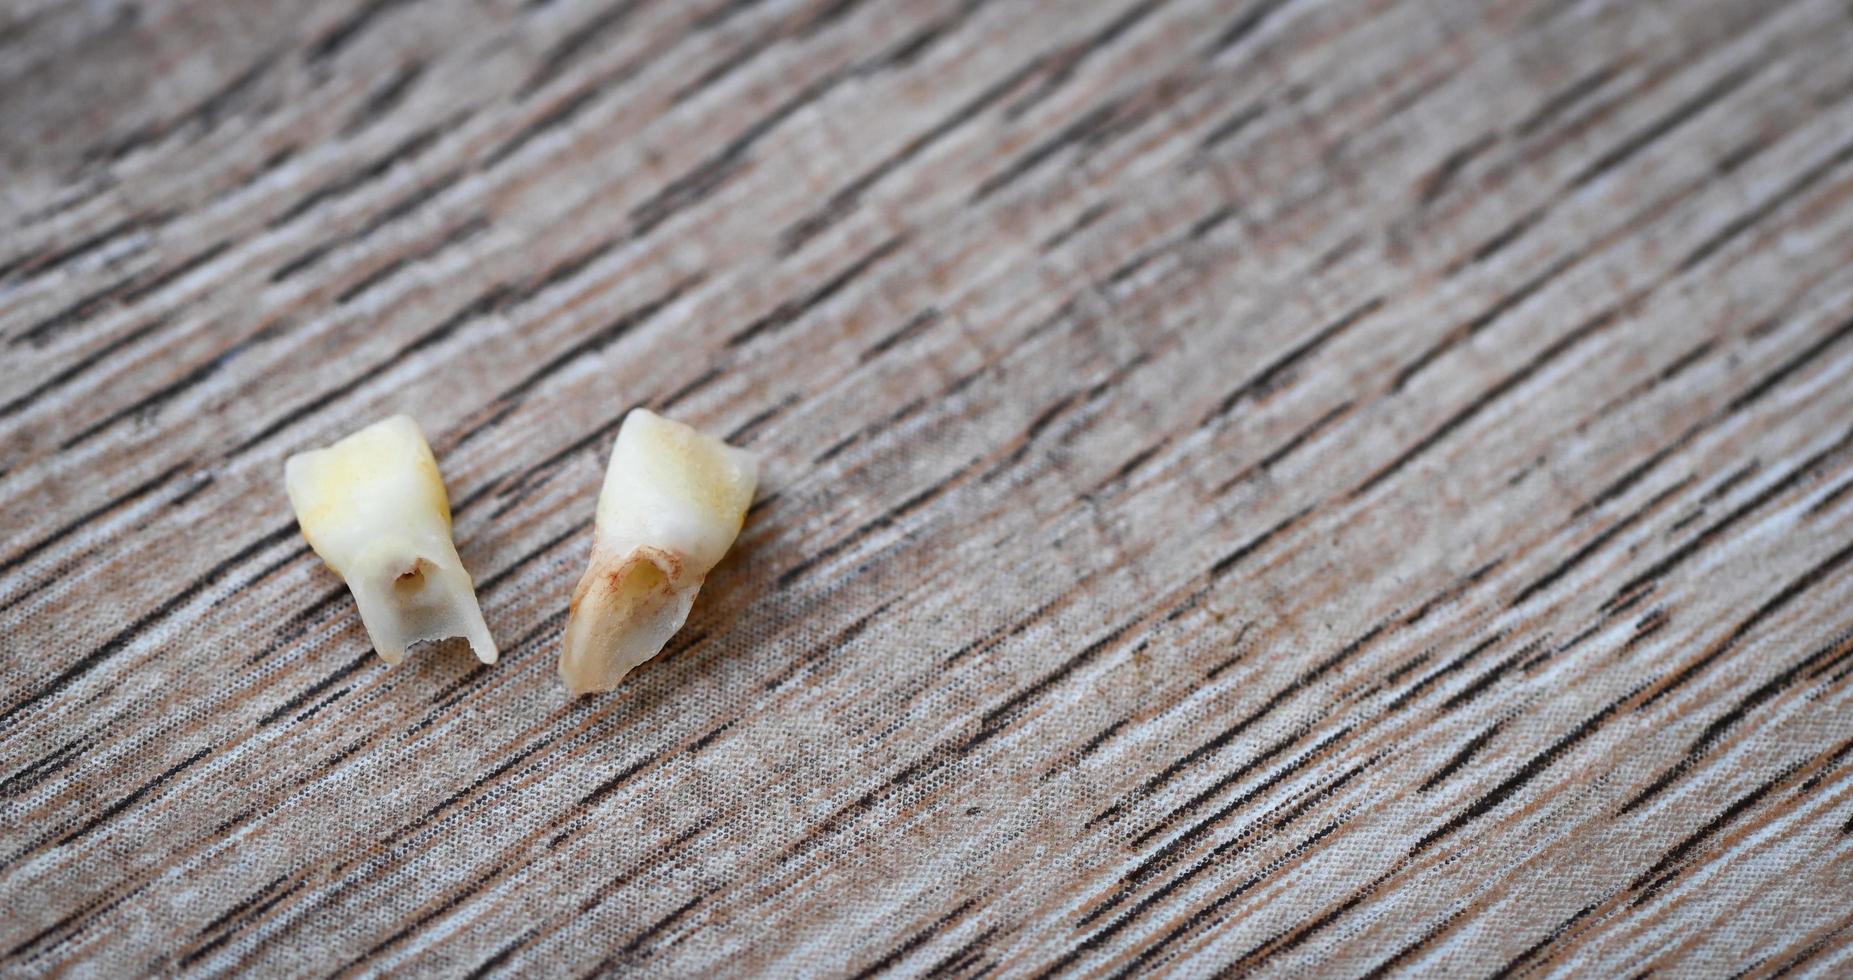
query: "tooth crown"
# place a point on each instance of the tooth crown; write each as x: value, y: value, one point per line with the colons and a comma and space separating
x: 373, y: 507
x: 671, y: 486
x: 673, y: 502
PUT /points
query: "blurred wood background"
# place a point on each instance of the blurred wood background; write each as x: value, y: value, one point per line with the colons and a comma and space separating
x: 1273, y: 486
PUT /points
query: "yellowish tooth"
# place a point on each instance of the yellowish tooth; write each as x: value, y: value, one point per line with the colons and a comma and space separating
x: 672, y: 504
x: 373, y: 506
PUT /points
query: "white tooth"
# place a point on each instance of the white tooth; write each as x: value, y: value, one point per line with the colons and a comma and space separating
x: 373, y: 506
x: 672, y: 504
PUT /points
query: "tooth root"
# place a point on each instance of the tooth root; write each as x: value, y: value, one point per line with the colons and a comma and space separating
x: 672, y: 504
x: 373, y: 507
x: 624, y: 610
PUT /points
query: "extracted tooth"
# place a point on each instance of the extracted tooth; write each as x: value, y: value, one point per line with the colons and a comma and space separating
x: 373, y: 506
x: 672, y: 504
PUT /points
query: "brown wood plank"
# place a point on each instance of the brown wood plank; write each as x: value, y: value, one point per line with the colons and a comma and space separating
x: 1249, y: 485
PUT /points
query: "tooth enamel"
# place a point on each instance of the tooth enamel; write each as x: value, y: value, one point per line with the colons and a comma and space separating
x: 373, y: 506
x: 672, y: 504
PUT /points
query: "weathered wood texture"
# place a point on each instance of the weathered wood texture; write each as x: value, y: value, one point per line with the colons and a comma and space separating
x: 1254, y: 486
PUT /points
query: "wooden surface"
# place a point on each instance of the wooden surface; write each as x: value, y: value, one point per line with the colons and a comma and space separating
x: 1274, y: 485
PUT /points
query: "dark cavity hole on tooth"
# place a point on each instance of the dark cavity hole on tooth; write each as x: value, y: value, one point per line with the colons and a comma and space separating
x: 411, y: 581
